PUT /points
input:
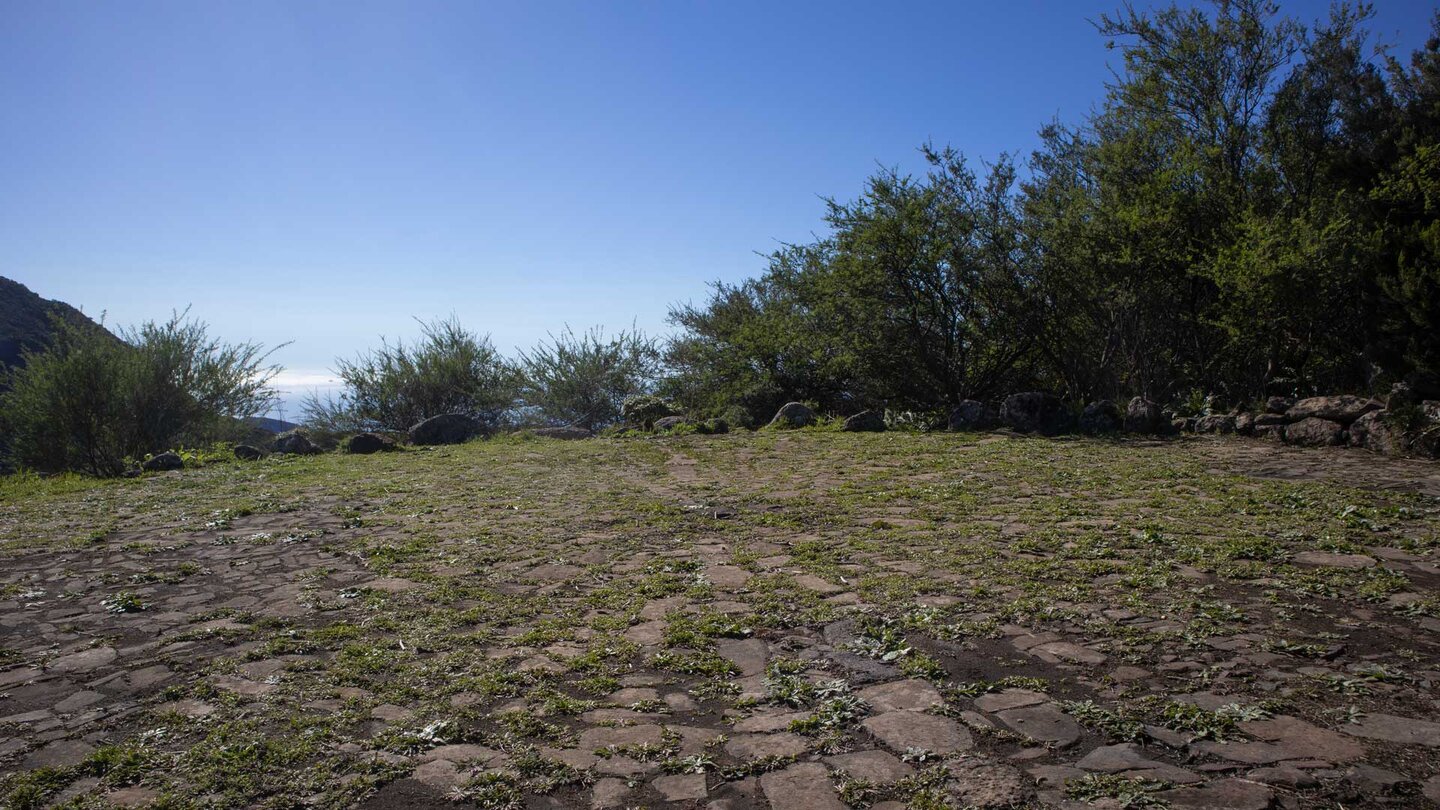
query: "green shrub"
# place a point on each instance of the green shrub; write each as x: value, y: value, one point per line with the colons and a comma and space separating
x: 450, y: 370
x: 585, y: 379
x: 644, y: 409
x: 95, y: 404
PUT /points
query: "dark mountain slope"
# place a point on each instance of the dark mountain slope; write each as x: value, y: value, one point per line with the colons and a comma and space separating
x: 25, y: 321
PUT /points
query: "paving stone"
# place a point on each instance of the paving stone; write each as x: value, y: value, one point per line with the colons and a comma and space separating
x: 647, y: 634
x: 1351, y: 561
x: 462, y: 753
x: 593, y: 739
x: 748, y: 655
x: 1390, y: 728
x: 805, y: 786
x: 1043, y: 723
x: 78, y: 700
x: 984, y: 784
x: 1073, y: 653
x: 680, y: 788
x: 908, y: 695
x: 1431, y: 789
x: 754, y: 746
x: 84, y: 661
x: 1283, y: 776
x: 768, y: 721
x: 134, y: 796
x: 609, y: 792
x: 58, y: 754
x: 904, y: 730
x: 242, y: 686
x: 1222, y: 794
x: 1009, y: 699
x: 874, y: 765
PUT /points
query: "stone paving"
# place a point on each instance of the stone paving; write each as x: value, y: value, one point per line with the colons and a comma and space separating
x: 737, y: 622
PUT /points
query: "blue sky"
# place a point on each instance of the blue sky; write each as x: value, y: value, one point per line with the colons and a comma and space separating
x: 323, y: 172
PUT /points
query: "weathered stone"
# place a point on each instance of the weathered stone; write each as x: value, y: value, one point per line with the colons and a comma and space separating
x: 163, y: 462
x: 985, y: 785
x: 1333, y: 560
x: 805, y: 786
x: 1283, y: 776
x: 1222, y: 794
x: 1390, y: 728
x: 445, y: 428
x: 971, y: 415
x: 58, y: 754
x: 1043, y: 723
x: 873, y: 765
x: 904, y: 730
x: 1344, y: 408
x: 793, y: 415
x: 366, y: 443
x: 1101, y: 417
x: 1245, y: 423
x: 681, y: 788
x: 245, y: 452
x: 294, y: 442
x: 593, y: 739
x: 1315, y: 432
x: 1215, y: 423
x: 908, y: 695
x: 609, y: 792
x: 667, y: 423
x: 83, y: 661
x: 1375, y: 433
x: 865, y: 422
x: 1036, y: 412
x: 1009, y: 699
x: 1144, y: 416
x: 748, y: 655
x: 1278, y: 405
x: 441, y: 774
x: 755, y: 746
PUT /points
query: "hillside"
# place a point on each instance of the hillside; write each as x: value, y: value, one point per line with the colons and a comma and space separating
x: 25, y: 321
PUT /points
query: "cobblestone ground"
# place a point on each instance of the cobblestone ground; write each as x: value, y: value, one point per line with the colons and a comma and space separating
x: 798, y: 620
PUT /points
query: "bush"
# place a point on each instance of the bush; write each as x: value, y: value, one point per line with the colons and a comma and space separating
x: 643, y: 410
x: 585, y: 379
x: 95, y: 404
x: 450, y: 370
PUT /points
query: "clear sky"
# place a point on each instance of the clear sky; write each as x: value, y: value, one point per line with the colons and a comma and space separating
x: 323, y: 172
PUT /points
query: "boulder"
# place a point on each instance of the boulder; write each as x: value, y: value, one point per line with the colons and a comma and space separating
x: 1274, y: 433
x: 971, y: 414
x: 1313, y: 431
x: 1374, y: 433
x: 245, y: 452
x: 568, y: 432
x: 163, y: 462
x: 1101, y: 417
x: 1036, y: 412
x: 1278, y: 405
x: 865, y: 422
x: 1183, y: 424
x: 366, y: 443
x: 1144, y: 416
x: 295, y: 443
x: 447, y: 428
x: 1216, y: 423
x: 1401, y: 396
x: 1245, y: 423
x: 1343, y: 408
x: 793, y: 415
x: 665, y: 423
x: 714, y: 426
x: 1263, y: 419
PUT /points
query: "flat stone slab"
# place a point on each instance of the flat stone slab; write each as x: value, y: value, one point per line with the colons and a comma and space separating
x: 1352, y: 561
x: 748, y: 655
x: 1223, y: 794
x: 592, y: 739
x: 801, y: 787
x: 902, y: 731
x: 1009, y: 699
x: 84, y: 661
x: 873, y: 765
x: 908, y: 695
x: 755, y: 746
x: 1390, y: 728
x: 681, y: 788
x: 1067, y: 651
x: 58, y: 754
x: 1043, y: 723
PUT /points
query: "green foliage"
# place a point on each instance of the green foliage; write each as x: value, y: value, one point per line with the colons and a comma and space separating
x: 643, y: 409
x: 585, y: 379
x: 449, y: 370
x: 94, y: 404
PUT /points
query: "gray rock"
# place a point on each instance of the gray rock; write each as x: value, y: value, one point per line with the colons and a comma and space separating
x: 1245, y: 423
x: 1216, y: 423
x: 1268, y: 419
x: 1144, y: 416
x: 1222, y: 794
x: 1036, y: 412
x: 163, y: 462
x: 985, y: 784
x: 1372, y: 432
x: 1101, y: 417
x: 1315, y: 432
x: 1183, y: 424
x: 447, y: 428
x: 665, y: 423
x: 245, y: 452
x: 805, y: 786
x: 1278, y: 405
x: 971, y: 415
x: 1274, y: 433
x: 366, y: 443
x: 902, y: 730
x: 1344, y: 408
x: 865, y: 422
x: 294, y: 442
x: 793, y: 415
